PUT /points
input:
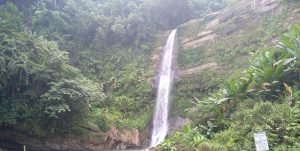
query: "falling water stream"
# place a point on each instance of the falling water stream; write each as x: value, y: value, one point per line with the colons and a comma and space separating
x: 160, y: 118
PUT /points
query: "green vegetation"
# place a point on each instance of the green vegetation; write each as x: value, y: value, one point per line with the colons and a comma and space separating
x: 39, y: 87
x: 62, y: 66
x: 76, y: 67
x: 235, y: 38
x: 240, y: 32
x: 265, y: 98
x: 68, y: 64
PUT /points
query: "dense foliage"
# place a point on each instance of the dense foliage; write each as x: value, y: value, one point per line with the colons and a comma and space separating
x: 265, y: 98
x: 68, y: 63
x: 39, y: 87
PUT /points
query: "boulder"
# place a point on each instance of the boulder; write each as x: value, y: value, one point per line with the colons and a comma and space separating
x: 122, y: 139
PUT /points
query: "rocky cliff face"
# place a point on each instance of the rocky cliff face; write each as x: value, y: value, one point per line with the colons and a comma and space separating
x: 113, y: 139
x: 122, y: 139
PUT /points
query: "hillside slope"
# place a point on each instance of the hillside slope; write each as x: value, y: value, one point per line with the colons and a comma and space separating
x: 220, y: 45
x: 239, y: 76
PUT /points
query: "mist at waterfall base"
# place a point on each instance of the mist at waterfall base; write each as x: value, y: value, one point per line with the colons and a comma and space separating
x: 166, y: 72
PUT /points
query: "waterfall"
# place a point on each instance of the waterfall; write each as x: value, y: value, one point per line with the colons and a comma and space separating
x: 160, y: 118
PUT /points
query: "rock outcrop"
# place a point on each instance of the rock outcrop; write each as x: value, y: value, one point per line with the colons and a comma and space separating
x: 122, y: 139
x: 176, y: 124
x: 11, y: 139
x: 199, y: 69
x: 15, y: 139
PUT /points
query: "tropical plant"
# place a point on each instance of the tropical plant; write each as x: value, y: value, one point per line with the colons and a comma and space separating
x: 188, y: 138
x: 266, y: 98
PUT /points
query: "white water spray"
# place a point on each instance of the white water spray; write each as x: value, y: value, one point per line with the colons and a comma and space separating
x: 160, y: 118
